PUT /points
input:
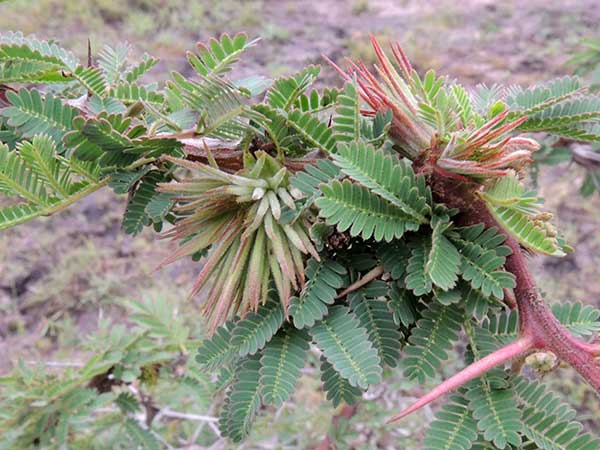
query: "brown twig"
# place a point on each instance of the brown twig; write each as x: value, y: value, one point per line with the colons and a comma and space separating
x: 373, y: 274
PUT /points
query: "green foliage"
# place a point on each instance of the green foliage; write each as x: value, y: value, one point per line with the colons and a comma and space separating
x: 542, y: 96
x: 517, y: 212
x: 287, y: 90
x: 243, y: 401
x: 136, y: 216
x: 257, y: 328
x: 495, y: 412
x: 453, y: 427
x: 391, y: 179
x: 403, y: 306
x: 292, y: 195
x: 548, y: 421
x: 443, y: 260
x: 31, y: 115
x: 92, y: 405
x: 338, y: 388
x: 579, y: 319
x: 308, y: 180
x: 353, y: 207
x: 217, y: 56
x: 141, y: 437
x: 429, y: 343
x: 492, y: 398
x: 482, y: 259
x: 217, y: 351
x: 346, y: 123
x: 314, y: 132
x: 131, y: 93
x: 281, y: 362
x: 347, y: 348
x: 324, y: 278
x: 374, y: 316
x: 44, y: 181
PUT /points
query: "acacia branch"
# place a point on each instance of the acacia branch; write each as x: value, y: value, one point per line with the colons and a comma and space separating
x: 538, y: 327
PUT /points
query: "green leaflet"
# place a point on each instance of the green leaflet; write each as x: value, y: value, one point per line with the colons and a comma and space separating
x: 112, y: 61
x: 374, y: 316
x: 517, y: 212
x: 219, y: 103
x: 491, y: 398
x: 33, y: 115
x: 387, y: 177
x: 127, y: 403
x: 347, y: 348
x: 123, y: 181
x: 286, y: 91
x: 338, y: 388
x: 114, y: 142
x: 243, y: 401
x: 314, y: 132
x: 443, y: 260
x: 476, y: 303
x: 482, y: 259
x: 139, y: 69
x: 548, y: 421
x: 159, y: 206
x: 92, y: 80
x: 417, y: 279
x: 431, y: 340
x: 316, y: 101
x: 274, y: 123
x: 282, y: 360
x: 570, y: 112
x: 394, y: 258
x: 136, y: 217
x: 525, y: 102
x: 581, y: 320
x: 141, y: 437
x: 308, y: 182
x: 217, y: 350
x: 257, y: 328
x: 219, y: 55
x: 132, y: 93
x: 324, y: 278
x: 17, y: 47
x: 43, y: 180
x: 496, y: 412
x: 403, y: 306
x: 347, y: 120
x: 354, y: 208
x: 453, y: 427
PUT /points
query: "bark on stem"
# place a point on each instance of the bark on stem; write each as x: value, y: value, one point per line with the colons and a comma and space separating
x: 535, y: 316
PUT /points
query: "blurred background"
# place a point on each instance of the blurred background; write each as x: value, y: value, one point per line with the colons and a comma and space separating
x: 61, y: 277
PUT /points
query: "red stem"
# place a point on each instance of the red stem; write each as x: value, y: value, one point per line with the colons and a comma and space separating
x: 538, y: 328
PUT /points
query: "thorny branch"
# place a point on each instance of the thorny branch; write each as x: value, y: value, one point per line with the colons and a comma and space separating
x: 539, y: 330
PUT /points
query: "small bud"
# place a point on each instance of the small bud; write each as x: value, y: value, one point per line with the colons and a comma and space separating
x: 296, y: 193
x: 258, y: 193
